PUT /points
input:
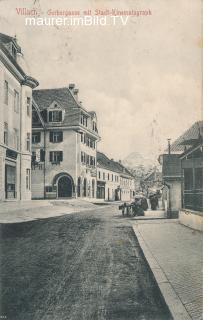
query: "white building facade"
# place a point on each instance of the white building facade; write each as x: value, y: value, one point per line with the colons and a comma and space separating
x: 64, y: 144
x: 15, y: 122
x: 114, y: 181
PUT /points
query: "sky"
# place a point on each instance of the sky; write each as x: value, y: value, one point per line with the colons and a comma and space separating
x: 144, y: 79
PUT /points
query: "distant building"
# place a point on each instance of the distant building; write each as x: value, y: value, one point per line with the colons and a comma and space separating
x: 114, y: 181
x: 15, y: 122
x: 64, y: 144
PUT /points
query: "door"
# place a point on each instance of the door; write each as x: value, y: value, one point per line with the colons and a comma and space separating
x: 10, y: 182
x: 65, y: 187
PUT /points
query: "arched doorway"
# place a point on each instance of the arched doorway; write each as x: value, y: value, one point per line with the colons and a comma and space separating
x: 65, y: 187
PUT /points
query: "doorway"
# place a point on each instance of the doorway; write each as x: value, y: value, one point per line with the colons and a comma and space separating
x: 65, y: 187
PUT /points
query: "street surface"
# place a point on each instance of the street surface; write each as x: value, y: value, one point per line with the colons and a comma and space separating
x: 79, y: 266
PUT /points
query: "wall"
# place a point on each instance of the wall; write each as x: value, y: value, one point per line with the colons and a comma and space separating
x: 191, y: 219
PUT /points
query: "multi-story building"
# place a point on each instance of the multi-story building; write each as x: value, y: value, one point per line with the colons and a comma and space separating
x: 114, y: 181
x: 64, y: 144
x: 15, y: 122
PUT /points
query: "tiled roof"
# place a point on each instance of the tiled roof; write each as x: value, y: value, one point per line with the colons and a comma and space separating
x: 106, y: 163
x: 187, y: 138
x: 63, y: 96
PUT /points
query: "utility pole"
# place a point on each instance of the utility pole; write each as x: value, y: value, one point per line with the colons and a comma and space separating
x: 169, y: 146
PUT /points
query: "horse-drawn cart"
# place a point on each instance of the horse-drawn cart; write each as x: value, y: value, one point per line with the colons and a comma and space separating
x: 135, y: 208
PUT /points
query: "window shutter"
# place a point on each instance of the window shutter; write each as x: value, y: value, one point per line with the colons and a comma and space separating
x: 42, y: 155
x: 61, y: 155
x: 51, y: 136
x: 50, y: 156
x: 61, y: 136
x: 50, y: 116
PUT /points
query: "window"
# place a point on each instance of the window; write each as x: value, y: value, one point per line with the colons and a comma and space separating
x: 16, y: 101
x: 6, y: 92
x: 28, y: 103
x: 112, y: 177
x: 16, y: 139
x: 5, y: 133
x: 83, y: 157
x: 55, y: 116
x: 28, y: 142
x: 94, y: 126
x: 108, y: 176
x: 28, y: 179
x: 36, y: 137
x: 88, y: 159
x: 103, y: 175
x: 56, y: 136
x: 188, y: 179
x: 199, y: 178
x: 83, y: 120
x: 56, y: 156
x: 99, y: 175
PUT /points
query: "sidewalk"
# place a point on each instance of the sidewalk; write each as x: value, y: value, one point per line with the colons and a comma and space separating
x: 175, y: 255
x: 21, y: 211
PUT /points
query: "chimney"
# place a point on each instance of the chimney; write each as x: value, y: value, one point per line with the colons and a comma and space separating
x: 112, y: 159
x: 71, y: 86
x: 119, y: 161
x: 75, y: 92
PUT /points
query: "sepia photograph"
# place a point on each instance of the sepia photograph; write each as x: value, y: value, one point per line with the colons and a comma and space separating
x: 101, y: 160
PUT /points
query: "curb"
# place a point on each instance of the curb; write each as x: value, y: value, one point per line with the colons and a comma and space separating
x: 172, y: 300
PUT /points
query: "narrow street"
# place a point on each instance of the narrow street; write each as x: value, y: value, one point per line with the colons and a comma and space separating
x: 80, y: 266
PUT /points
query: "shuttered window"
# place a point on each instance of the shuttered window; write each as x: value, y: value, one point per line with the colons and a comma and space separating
x: 56, y: 136
x: 56, y: 156
x: 55, y: 116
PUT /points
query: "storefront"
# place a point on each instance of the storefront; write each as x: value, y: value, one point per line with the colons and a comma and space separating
x: 100, y: 190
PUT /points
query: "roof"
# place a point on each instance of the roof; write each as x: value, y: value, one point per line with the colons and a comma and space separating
x: 109, y: 164
x: 63, y: 96
x: 4, y: 41
x: 65, y: 99
x: 188, y: 138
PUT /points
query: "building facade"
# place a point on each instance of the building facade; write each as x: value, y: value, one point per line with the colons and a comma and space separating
x: 15, y: 122
x: 64, y: 144
x: 114, y: 181
x: 181, y: 168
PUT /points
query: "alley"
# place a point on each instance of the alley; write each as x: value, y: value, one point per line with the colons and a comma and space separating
x: 79, y: 266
